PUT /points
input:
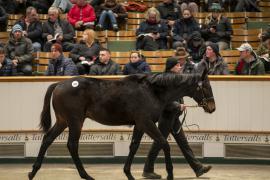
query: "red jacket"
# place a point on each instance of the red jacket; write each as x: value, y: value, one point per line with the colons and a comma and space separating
x: 88, y: 14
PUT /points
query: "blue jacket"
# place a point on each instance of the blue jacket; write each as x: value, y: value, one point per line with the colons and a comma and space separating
x: 62, y: 67
x: 140, y: 67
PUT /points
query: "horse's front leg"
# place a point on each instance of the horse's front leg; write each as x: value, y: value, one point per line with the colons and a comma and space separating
x: 151, y: 129
x: 134, y: 145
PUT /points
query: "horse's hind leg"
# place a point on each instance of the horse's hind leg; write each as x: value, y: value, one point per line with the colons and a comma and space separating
x: 48, y: 138
x: 134, y: 145
x: 151, y: 129
x: 73, y: 145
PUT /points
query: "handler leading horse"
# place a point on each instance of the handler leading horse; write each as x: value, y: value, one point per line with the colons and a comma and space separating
x: 135, y: 100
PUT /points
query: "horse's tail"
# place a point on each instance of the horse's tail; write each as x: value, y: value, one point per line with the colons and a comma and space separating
x: 45, y: 116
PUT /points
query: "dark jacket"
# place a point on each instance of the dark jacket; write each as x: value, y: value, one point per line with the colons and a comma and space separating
x: 196, y: 53
x: 189, y: 67
x: 117, y: 9
x: 7, y: 68
x: 263, y: 50
x: 140, y: 67
x: 171, y: 11
x: 161, y: 27
x: 68, y: 31
x: 183, y: 29
x: 34, y: 30
x: 99, y: 68
x: 61, y: 67
x: 3, y: 19
x: 21, y: 49
x: 219, y: 67
x: 223, y: 29
x: 255, y: 67
x: 81, y: 49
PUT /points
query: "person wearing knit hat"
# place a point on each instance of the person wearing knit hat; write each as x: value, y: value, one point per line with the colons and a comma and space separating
x: 214, y: 61
x: 249, y: 63
x: 59, y: 65
x: 169, y: 123
x: 20, y: 50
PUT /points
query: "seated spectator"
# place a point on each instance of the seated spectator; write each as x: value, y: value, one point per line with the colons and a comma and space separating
x: 266, y: 34
x: 85, y: 53
x: 3, y: 19
x: 82, y: 15
x: 59, y: 65
x: 32, y: 27
x: 137, y: 65
x: 247, y: 6
x: 217, y: 28
x: 196, y: 47
x: 249, y: 63
x: 105, y: 66
x: 169, y: 11
x: 152, y: 33
x: 57, y: 30
x: 19, y: 49
x: 110, y: 14
x: 42, y: 6
x: 186, y: 66
x: 183, y: 28
x: 64, y: 5
x: 9, y: 6
x: 190, y: 4
x: 6, y: 66
x: 214, y: 61
x: 263, y: 52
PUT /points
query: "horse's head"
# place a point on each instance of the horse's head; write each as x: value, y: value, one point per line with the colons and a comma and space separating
x: 203, y: 94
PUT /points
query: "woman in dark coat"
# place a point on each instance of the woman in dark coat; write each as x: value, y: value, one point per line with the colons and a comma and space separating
x: 136, y: 65
x: 85, y: 53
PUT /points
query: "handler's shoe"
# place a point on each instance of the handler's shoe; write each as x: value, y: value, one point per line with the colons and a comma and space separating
x: 151, y: 175
x: 203, y: 170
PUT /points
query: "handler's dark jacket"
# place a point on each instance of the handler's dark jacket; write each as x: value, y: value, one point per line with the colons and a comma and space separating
x: 111, y: 68
x: 61, y: 67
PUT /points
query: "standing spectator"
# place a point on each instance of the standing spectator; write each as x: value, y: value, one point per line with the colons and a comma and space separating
x: 3, y: 19
x: 217, y: 28
x: 249, y: 63
x: 59, y: 65
x: 19, y: 49
x: 196, y: 47
x: 85, y: 53
x: 105, y: 66
x: 137, y: 65
x: 32, y: 27
x: 57, y: 30
x: 111, y: 14
x: 152, y: 33
x: 169, y: 11
x: 64, y: 5
x: 214, y: 61
x: 82, y: 15
x: 190, y: 4
x: 183, y: 29
x: 6, y: 66
x: 42, y: 6
x: 263, y: 52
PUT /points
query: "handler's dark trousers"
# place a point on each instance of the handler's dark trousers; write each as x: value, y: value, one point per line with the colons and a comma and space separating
x: 169, y: 122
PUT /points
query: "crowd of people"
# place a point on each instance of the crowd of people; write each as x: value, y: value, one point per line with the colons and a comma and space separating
x: 169, y: 25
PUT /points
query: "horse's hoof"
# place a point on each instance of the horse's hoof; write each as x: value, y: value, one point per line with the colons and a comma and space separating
x: 170, y: 177
x: 151, y: 175
x: 30, y: 176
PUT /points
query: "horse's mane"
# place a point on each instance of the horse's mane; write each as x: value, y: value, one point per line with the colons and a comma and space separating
x: 172, y: 79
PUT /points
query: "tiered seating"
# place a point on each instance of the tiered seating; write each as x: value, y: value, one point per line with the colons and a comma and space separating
x: 4, y: 36
x: 12, y: 19
x: 134, y: 19
x: 264, y: 5
x: 257, y: 20
x: 241, y: 36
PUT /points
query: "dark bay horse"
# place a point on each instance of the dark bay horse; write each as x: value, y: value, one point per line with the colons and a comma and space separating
x: 134, y: 100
